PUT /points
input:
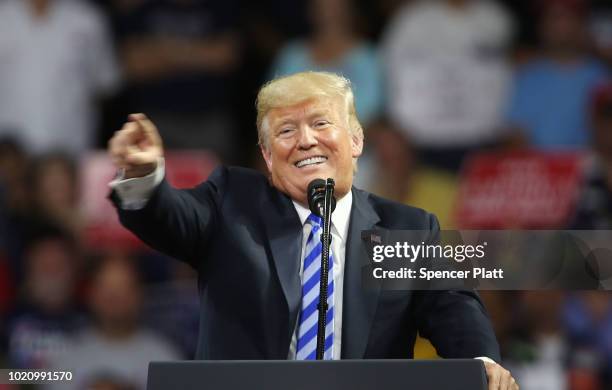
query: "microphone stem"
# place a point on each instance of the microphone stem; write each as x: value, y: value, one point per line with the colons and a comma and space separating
x: 325, y: 243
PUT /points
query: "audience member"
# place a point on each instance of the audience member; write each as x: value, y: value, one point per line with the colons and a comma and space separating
x: 601, y: 29
x: 402, y: 177
x: 116, y: 346
x: 173, y: 308
x: 6, y: 289
x: 447, y: 75
x: 46, y: 316
x: 13, y: 169
x: 54, y: 190
x: 180, y: 58
x: 57, y: 58
x: 336, y: 46
x: 268, y: 24
x: 7, y: 293
x: 549, y: 105
x: 538, y: 351
x: 14, y: 200
x: 588, y: 323
x: 594, y: 209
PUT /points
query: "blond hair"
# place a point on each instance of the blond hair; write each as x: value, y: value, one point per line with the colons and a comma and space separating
x: 296, y: 88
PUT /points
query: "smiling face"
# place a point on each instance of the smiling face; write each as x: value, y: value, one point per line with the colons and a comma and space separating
x: 307, y: 141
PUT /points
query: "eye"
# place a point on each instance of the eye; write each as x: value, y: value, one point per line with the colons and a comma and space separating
x: 321, y: 123
x: 285, y: 132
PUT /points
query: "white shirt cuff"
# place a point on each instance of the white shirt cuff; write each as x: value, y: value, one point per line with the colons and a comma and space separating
x: 134, y: 193
x: 486, y: 359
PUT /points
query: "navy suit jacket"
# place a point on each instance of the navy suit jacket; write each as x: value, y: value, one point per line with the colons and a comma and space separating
x: 244, y: 238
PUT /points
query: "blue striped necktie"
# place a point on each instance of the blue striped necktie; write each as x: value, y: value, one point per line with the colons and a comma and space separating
x: 309, y: 314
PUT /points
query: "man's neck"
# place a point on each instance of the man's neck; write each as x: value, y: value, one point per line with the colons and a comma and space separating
x: 340, y: 217
x: 307, y: 206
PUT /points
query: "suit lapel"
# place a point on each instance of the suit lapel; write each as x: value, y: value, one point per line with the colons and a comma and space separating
x: 284, y: 232
x: 359, y: 304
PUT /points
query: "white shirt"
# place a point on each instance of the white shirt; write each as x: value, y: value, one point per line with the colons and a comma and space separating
x: 339, y: 231
x: 134, y: 193
x: 51, y: 69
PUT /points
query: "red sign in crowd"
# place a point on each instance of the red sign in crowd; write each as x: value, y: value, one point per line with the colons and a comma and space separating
x: 519, y: 190
x: 183, y: 170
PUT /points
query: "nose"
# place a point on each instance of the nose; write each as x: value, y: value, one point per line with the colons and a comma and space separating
x: 307, y: 138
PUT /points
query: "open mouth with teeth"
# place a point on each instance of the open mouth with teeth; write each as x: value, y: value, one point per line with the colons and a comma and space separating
x: 315, y: 160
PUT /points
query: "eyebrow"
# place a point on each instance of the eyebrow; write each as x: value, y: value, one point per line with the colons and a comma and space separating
x: 287, y: 119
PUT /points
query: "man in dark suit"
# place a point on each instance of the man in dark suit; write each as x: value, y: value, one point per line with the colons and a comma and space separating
x: 252, y: 240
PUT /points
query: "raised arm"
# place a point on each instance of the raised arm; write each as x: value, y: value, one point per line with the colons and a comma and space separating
x: 175, y: 222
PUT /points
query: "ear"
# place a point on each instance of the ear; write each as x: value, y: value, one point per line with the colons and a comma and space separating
x: 356, y: 145
x: 267, y: 156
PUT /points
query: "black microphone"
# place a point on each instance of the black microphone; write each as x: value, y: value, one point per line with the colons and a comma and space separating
x: 316, y: 197
x: 321, y: 202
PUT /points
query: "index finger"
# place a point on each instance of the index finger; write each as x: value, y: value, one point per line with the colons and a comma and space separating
x: 147, y: 126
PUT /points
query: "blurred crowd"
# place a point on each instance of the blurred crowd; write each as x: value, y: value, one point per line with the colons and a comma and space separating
x: 436, y: 82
